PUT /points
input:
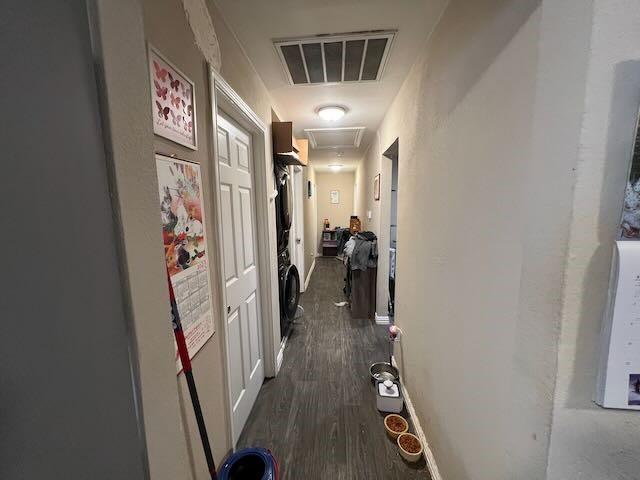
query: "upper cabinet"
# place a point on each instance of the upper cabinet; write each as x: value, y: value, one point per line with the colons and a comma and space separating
x: 286, y: 148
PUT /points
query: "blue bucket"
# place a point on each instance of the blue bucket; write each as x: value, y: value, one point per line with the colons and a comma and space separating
x: 250, y: 464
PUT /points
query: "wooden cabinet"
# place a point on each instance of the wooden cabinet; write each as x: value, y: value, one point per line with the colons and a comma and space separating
x: 286, y: 148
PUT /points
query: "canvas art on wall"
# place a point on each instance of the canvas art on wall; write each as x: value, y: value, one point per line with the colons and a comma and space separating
x: 630, y: 223
x: 376, y: 187
x: 184, y: 239
x: 172, y: 102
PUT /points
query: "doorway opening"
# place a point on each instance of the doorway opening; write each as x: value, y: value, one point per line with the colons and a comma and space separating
x: 250, y: 330
x: 392, y: 154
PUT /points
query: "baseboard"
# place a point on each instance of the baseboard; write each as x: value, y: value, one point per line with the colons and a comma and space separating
x: 427, y: 452
x: 280, y: 356
x: 306, y: 281
x: 382, y: 319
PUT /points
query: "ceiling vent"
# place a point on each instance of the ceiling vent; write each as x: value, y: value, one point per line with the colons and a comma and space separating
x: 347, y: 57
x: 341, y: 137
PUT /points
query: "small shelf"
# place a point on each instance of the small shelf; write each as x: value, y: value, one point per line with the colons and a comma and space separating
x: 329, y: 243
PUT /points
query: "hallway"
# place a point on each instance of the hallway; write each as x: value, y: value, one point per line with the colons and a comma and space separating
x: 318, y: 416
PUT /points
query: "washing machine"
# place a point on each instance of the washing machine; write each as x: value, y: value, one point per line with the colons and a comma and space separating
x: 288, y: 276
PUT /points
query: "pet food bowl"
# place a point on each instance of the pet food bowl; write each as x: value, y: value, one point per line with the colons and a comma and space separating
x: 381, y: 371
x: 392, y: 433
x: 409, y: 456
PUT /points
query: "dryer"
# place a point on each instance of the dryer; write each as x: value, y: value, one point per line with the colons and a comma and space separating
x: 288, y: 276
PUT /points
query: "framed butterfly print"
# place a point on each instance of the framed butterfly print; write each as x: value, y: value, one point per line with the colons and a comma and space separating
x: 173, y: 101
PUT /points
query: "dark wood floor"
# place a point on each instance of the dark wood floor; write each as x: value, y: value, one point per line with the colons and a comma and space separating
x: 318, y: 416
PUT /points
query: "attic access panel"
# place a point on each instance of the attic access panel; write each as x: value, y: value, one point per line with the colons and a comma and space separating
x: 321, y: 59
x: 340, y: 137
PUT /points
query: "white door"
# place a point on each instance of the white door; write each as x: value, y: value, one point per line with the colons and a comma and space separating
x: 243, y: 326
x: 298, y: 222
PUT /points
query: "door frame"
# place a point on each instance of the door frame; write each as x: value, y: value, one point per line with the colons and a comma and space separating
x: 298, y: 222
x: 224, y: 98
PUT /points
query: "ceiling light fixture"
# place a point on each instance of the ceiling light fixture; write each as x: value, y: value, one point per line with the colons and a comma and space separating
x: 335, y: 168
x: 331, y: 113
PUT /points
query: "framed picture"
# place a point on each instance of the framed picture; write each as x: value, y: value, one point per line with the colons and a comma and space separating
x: 630, y: 222
x: 309, y: 189
x: 376, y: 187
x: 335, y: 196
x: 173, y: 101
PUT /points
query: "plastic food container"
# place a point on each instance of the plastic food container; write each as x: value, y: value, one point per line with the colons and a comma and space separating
x: 388, y: 397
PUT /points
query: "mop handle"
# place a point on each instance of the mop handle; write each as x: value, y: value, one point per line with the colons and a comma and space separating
x: 191, y: 383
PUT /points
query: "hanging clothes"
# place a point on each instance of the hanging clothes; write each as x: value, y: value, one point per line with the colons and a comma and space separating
x: 342, y: 236
x: 365, y: 251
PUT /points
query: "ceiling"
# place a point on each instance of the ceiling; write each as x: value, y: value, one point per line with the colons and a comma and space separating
x: 257, y: 23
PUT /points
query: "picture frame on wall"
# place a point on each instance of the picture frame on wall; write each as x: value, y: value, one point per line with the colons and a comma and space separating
x: 309, y: 189
x: 630, y: 222
x: 335, y: 196
x: 376, y: 187
x: 173, y: 101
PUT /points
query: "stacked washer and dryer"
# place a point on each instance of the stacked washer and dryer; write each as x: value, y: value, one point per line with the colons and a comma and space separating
x: 288, y: 276
x: 287, y: 152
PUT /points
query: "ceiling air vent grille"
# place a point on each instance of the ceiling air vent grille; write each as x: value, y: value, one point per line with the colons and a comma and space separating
x: 350, y: 57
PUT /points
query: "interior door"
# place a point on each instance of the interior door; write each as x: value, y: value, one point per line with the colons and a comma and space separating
x: 298, y: 220
x: 243, y: 325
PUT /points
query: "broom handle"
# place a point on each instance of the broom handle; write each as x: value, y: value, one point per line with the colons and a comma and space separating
x: 191, y: 383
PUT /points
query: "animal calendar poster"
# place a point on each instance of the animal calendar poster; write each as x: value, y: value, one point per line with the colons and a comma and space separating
x: 184, y: 239
x: 630, y: 223
x: 172, y: 102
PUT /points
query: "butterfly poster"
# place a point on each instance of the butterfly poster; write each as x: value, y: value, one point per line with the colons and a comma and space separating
x: 172, y: 102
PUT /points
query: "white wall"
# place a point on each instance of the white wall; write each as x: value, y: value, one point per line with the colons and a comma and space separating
x: 340, y: 213
x: 515, y: 127
x: 476, y: 356
x: 69, y: 397
x: 174, y: 449
x: 589, y: 442
x: 374, y: 163
x: 311, y: 235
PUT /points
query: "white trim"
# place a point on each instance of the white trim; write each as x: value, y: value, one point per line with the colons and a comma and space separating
x: 297, y: 233
x: 308, y: 279
x: 427, y: 452
x: 382, y: 319
x: 223, y: 97
x: 280, y: 356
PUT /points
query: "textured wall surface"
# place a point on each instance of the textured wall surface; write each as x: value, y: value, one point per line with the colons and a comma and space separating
x: 375, y: 163
x: 172, y: 436
x: 476, y: 358
x: 337, y: 213
x: 68, y: 406
x: 589, y: 442
x: 515, y: 128
x: 311, y: 235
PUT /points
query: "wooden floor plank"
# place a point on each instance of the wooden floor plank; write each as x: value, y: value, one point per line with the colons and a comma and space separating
x: 318, y: 416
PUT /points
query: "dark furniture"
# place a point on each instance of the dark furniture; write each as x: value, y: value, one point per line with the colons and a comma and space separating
x: 329, y: 243
x: 362, y: 292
